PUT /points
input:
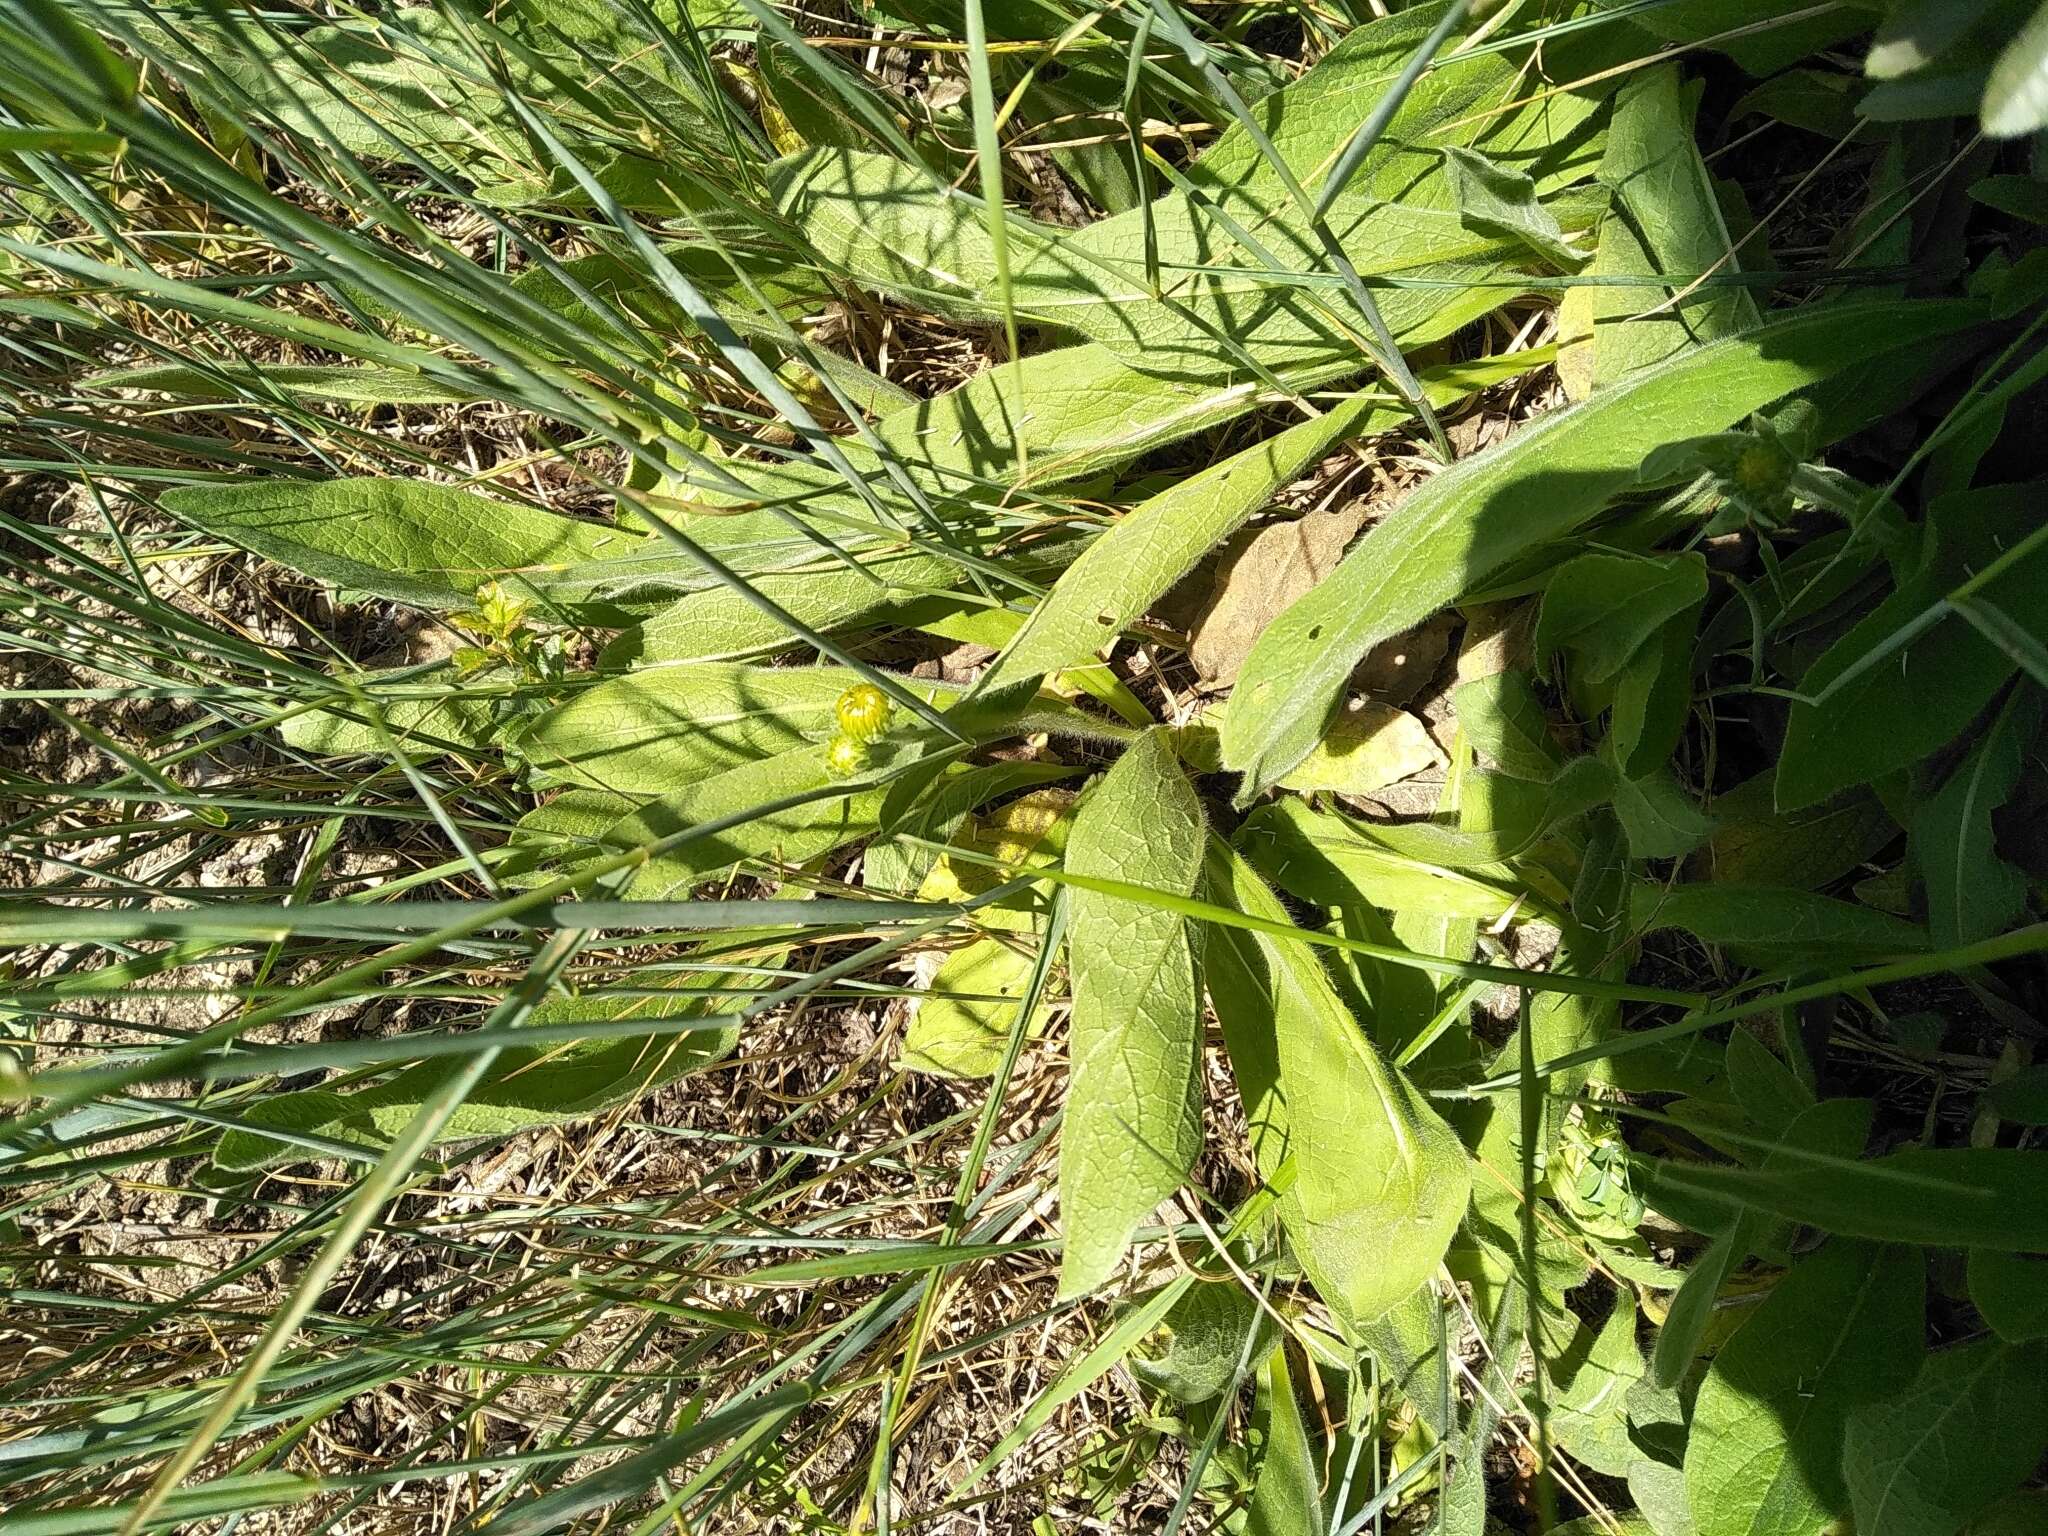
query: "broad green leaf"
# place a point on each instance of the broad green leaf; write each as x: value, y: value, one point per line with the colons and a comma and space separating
x: 1912, y: 675
x: 2016, y: 96
x: 1334, y: 861
x: 1954, y: 1197
x: 1772, y: 920
x: 1653, y: 697
x: 1769, y: 1092
x: 1971, y: 1426
x: 2010, y: 1290
x: 526, y: 1087
x: 1658, y: 815
x: 1763, y: 36
x: 653, y: 731
x: 1133, y: 1123
x: 1194, y: 1353
x: 1547, y: 479
x: 1843, y: 1327
x: 408, y: 540
x: 963, y: 1021
x: 2022, y: 1097
x: 1500, y: 202
x: 1664, y: 221
x: 1753, y: 843
x: 663, y: 727
x: 831, y: 813
x: 884, y: 224
x: 1691, y: 1310
x: 1589, y: 1418
x: 1287, y: 1496
x: 1134, y: 564
x: 1380, y: 1182
x: 1917, y: 32
x: 1603, y: 609
x: 1067, y: 413
x: 1971, y: 892
x: 1505, y: 720
x: 427, y: 712
x: 719, y: 624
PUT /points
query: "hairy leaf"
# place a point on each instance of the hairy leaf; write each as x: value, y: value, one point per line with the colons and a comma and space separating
x: 1548, y: 478
x: 1379, y: 1181
x: 1133, y: 1121
x: 1842, y: 1327
x: 1970, y: 1427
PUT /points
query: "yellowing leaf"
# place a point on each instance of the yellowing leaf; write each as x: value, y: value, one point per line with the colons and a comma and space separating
x: 964, y: 1019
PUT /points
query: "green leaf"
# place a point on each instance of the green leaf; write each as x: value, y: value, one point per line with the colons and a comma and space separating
x: 1287, y: 1498
x: 1971, y: 892
x: 1605, y: 608
x: 1843, y: 1327
x: 345, y: 383
x: 963, y: 1022
x: 654, y: 730
x: 1193, y: 1355
x: 1130, y: 567
x: 1133, y: 1120
x: 1917, y: 32
x: 1556, y: 473
x: 1589, y: 1419
x: 1658, y: 815
x: 526, y: 1087
x: 2010, y: 1290
x: 1772, y: 920
x: 720, y: 624
x: 1691, y: 1310
x: 1500, y: 202
x: 2022, y: 1097
x: 426, y: 714
x: 407, y: 540
x: 1664, y: 221
x: 829, y: 814
x: 886, y: 225
x: 1963, y: 1435
x: 1753, y: 843
x: 1912, y: 675
x: 1769, y: 1092
x: 1952, y: 1197
x: 1380, y: 1182
x: 2016, y: 96
x: 1333, y: 861
x: 1659, y: 1493
x: 1505, y: 720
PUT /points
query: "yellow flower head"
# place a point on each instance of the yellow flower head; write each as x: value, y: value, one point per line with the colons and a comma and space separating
x: 863, y: 712
x: 844, y: 757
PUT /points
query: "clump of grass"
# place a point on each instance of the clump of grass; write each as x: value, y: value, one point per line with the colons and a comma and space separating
x: 629, y: 907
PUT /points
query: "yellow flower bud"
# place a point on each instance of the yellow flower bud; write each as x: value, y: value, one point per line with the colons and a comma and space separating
x: 844, y: 757
x: 863, y: 712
